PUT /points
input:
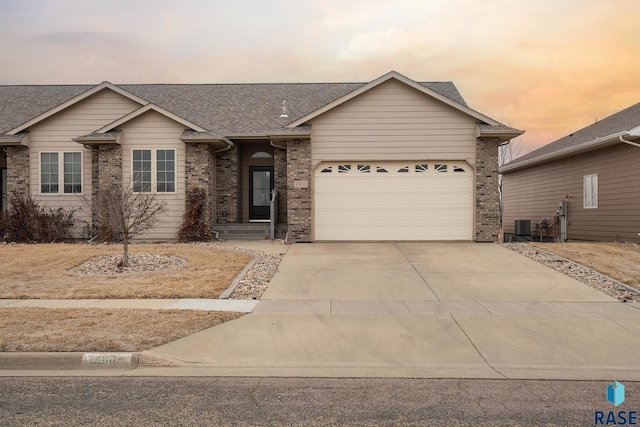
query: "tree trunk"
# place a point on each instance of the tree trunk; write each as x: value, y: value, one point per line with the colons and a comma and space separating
x: 125, y: 252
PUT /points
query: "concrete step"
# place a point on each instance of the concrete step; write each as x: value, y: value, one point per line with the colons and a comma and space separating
x: 249, y: 231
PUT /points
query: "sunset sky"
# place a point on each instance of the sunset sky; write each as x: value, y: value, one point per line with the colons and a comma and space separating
x: 548, y: 67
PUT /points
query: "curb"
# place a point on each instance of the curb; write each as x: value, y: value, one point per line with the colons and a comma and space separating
x: 68, y: 361
x: 227, y: 293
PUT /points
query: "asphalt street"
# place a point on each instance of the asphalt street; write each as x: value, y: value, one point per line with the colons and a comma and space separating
x: 49, y: 401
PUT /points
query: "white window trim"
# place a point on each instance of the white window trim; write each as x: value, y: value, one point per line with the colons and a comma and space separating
x: 154, y: 168
x: 60, y: 173
x: 588, y: 183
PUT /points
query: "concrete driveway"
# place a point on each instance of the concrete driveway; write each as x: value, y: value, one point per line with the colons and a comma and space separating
x: 426, y: 310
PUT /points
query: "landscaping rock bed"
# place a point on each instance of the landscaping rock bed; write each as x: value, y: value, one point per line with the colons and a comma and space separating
x: 578, y: 272
x: 253, y: 284
x: 108, y: 265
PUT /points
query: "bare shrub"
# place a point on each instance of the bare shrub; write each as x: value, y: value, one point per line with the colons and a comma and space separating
x: 123, y: 214
x: 194, y: 227
x: 27, y: 222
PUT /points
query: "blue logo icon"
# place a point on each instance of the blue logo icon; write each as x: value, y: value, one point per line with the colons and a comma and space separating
x: 615, y: 393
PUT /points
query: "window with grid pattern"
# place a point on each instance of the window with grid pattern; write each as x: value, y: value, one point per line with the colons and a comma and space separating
x: 49, y: 173
x: 154, y: 170
x: 166, y: 171
x: 65, y: 175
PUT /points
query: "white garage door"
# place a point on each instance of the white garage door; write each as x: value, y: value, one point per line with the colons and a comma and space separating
x: 393, y: 201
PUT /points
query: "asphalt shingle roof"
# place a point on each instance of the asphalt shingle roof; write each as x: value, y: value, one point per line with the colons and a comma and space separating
x: 624, y: 120
x: 227, y: 109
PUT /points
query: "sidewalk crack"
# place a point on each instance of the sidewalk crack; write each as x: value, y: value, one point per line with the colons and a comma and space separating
x: 477, y: 349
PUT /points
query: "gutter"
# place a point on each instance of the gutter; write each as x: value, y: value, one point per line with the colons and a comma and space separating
x: 273, y: 144
x: 589, y: 145
x: 629, y: 142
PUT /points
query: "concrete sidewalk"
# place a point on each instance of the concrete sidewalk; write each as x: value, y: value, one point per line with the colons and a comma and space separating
x: 423, y: 310
x: 241, y: 306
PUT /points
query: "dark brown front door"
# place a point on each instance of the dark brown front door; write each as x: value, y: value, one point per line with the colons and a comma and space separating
x: 260, y: 186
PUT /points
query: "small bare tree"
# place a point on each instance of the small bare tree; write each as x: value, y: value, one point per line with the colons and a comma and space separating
x: 124, y: 214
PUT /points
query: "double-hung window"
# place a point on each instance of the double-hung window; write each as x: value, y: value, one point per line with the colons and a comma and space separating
x: 590, y: 191
x: 61, y: 171
x: 154, y: 169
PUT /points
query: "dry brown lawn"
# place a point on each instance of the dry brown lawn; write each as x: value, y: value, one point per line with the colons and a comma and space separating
x: 62, y: 330
x: 617, y: 260
x: 41, y: 272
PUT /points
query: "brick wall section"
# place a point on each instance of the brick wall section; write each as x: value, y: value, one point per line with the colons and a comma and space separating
x: 280, y: 181
x: 200, y: 173
x: 228, y: 186
x: 487, y: 197
x: 106, y: 171
x: 109, y: 166
x: 95, y: 183
x: 299, y: 198
x: 18, y: 170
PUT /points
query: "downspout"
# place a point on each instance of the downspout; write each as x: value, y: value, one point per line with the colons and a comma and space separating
x: 629, y: 142
x: 213, y: 153
x: 228, y: 147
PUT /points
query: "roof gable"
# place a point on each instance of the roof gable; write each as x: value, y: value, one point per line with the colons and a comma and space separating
x: 397, y: 76
x: 72, y: 101
x: 150, y: 107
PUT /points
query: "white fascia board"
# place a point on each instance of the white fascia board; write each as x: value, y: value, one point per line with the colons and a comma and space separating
x: 17, y: 139
x: 403, y: 79
x: 74, y: 100
x: 144, y: 109
x: 566, y: 152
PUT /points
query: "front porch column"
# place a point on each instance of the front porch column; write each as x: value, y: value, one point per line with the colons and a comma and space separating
x: 280, y: 181
x: 18, y: 170
x: 299, y: 190
x: 200, y: 172
x: 106, y: 172
x: 487, y: 219
x: 228, y: 186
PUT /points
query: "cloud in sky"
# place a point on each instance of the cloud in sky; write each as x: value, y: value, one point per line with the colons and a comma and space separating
x: 547, y: 67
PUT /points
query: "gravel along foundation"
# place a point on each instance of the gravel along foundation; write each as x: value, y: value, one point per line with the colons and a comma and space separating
x: 583, y: 274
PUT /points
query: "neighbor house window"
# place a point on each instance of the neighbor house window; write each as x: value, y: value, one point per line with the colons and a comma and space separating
x: 66, y: 174
x: 590, y: 191
x: 154, y: 169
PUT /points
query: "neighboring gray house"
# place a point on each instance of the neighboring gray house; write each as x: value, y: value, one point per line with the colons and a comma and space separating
x: 392, y: 159
x: 595, y: 170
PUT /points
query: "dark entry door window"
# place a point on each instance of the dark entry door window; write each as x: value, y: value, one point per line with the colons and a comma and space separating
x: 260, y: 186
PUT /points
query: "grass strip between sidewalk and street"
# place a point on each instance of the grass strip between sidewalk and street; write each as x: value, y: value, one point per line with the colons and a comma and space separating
x: 100, y: 330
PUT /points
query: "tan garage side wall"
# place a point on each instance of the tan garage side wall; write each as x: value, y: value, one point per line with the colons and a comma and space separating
x: 534, y: 193
x: 55, y: 135
x: 153, y: 131
x: 393, y: 122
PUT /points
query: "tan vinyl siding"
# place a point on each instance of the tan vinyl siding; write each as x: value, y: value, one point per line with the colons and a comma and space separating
x: 55, y: 135
x: 153, y: 131
x: 534, y: 193
x: 393, y: 122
